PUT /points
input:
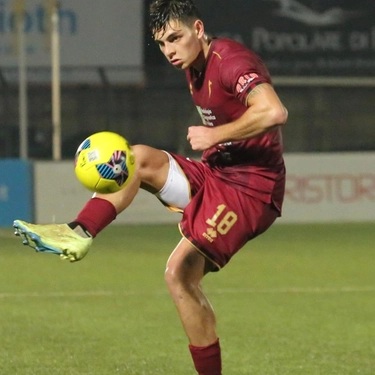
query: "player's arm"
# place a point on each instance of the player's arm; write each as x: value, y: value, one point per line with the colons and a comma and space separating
x: 265, y: 112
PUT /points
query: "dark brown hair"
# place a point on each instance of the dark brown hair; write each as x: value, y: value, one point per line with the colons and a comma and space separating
x: 163, y: 11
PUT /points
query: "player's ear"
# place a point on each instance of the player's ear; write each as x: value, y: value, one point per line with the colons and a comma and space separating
x: 199, y: 28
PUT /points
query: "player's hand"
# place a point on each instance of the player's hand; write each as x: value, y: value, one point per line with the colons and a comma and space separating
x: 201, y: 137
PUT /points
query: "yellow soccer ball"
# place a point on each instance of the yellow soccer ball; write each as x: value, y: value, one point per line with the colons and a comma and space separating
x: 104, y: 162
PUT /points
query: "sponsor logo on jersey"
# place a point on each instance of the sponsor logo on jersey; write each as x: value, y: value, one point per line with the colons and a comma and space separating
x: 206, y: 115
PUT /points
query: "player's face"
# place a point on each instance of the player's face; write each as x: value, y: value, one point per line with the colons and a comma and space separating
x: 181, y: 44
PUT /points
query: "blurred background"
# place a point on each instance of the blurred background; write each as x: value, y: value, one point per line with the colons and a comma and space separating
x: 321, y: 55
x: 71, y: 68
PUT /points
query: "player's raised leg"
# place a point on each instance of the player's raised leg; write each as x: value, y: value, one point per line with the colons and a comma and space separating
x: 72, y: 241
x: 185, y: 270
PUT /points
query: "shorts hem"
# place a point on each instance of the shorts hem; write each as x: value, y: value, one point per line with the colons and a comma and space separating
x: 199, y: 250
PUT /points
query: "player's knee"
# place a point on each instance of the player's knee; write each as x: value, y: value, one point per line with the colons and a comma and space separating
x: 176, y: 281
x: 141, y: 156
x: 177, y: 277
x: 171, y: 277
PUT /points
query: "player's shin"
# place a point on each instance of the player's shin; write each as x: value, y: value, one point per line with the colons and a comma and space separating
x: 102, y: 209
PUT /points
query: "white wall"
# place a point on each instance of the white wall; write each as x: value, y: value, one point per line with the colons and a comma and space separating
x: 320, y: 188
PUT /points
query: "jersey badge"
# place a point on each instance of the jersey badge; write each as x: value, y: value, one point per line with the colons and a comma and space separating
x: 244, y: 81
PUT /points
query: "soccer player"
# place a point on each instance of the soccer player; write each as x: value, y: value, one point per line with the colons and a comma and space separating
x: 229, y: 197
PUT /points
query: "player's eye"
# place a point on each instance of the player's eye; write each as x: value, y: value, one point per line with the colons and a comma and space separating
x: 174, y: 38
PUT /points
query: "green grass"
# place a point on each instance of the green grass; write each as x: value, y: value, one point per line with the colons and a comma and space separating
x: 300, y: 299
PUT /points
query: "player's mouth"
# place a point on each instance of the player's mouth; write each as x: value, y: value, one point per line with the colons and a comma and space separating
x: 176, y: 62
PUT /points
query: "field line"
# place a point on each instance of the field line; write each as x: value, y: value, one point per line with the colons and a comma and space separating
x: 302, y: 290
x: 103, y: 293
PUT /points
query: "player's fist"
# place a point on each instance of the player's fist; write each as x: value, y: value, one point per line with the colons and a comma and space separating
x: 200, y: 137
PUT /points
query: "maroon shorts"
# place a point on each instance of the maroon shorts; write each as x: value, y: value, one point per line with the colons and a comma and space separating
x: 220, y: 219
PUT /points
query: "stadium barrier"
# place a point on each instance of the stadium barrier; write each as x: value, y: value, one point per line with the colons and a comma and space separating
x: 332, y: 187
x: 59, y: 197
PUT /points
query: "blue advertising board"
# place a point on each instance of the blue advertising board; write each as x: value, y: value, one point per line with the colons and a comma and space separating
x: 16, y: 191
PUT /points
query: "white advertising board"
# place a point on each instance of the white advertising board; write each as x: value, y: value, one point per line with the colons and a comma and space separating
x: 330, y: 187
x: 93, y: 33
x: 58, y: 198
x: 320, y: 188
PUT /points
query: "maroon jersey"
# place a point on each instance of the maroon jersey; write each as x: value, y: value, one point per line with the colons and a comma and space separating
x: 253, y: 166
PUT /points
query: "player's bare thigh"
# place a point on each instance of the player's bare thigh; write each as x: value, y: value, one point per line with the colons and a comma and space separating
x: 152, y: 167
x: 186, y: 264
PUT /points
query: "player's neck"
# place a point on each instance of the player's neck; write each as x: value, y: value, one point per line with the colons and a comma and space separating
x: 200, y: 62
x: 206, y: 45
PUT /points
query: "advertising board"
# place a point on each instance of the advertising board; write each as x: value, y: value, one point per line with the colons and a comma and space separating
x: 93, y: 34
x: 334, y: 187
x: 334, y: 38
x: 16, y: 191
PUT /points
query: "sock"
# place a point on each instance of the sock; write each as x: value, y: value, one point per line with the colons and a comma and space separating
x: 207, y: 359
x: 95, y: 216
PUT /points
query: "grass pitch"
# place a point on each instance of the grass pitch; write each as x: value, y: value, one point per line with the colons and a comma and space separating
x: 300, y: 299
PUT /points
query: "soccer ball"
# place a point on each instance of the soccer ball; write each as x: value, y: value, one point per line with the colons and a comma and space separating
x: 104, y: 162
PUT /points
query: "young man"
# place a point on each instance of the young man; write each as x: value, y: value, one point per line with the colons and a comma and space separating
x: 232, y: 195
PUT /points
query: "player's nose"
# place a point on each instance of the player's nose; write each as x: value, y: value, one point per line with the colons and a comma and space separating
x: 169, y: 51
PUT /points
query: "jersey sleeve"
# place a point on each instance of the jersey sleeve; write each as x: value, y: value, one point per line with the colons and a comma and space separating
x: 241, y: 72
